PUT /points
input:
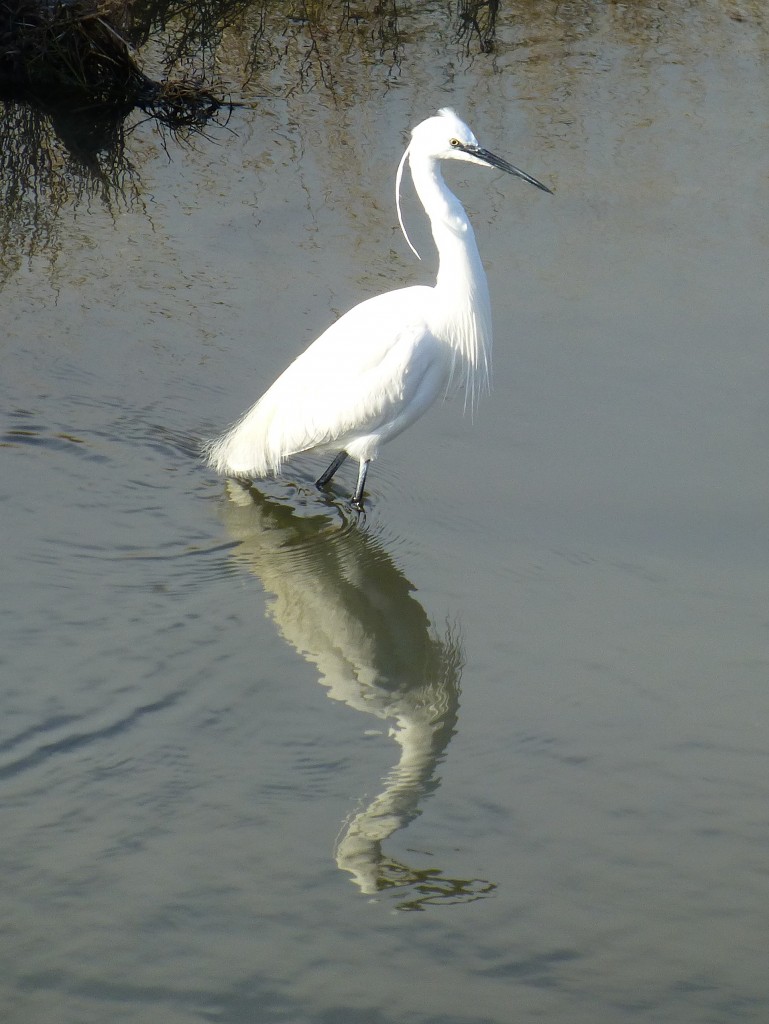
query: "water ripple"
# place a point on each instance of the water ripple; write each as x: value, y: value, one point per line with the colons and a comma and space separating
x: 75, y: 741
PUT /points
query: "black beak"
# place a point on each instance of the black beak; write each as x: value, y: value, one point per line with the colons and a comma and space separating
x: 503, y: 165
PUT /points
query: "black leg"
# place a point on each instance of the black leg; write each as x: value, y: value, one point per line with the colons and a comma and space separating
x: 324, y: 477
x: 357, y: 498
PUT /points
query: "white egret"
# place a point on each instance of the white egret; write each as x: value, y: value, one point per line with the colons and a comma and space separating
x: 382, y: 365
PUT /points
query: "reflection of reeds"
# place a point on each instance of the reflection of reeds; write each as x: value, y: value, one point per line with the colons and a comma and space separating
x: 50, y: 160
x: 478, y: 19
x: 316, y: 38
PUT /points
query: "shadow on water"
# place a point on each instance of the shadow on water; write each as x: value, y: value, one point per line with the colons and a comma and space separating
x: 338, y: 599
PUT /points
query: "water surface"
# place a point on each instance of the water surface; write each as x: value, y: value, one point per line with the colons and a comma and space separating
x: 497, y: 752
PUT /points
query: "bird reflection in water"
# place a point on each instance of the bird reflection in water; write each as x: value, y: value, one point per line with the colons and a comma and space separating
x: 339, y: 600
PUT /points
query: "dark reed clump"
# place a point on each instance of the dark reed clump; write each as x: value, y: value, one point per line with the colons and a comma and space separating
x: 79, y: 53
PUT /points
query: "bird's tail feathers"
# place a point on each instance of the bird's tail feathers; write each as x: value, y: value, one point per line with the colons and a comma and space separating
x: 244, y: 450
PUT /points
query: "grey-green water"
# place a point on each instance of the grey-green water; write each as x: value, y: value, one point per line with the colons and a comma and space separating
x: 532, y: 783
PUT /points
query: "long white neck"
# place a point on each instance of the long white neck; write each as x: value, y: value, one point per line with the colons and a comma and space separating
x: 463, y: 309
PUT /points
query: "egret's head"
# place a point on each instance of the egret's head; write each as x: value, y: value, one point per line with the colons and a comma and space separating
x: 447, y: 137
x: 444, y: 137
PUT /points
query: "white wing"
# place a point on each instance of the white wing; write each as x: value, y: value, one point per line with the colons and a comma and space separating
x: 369, y: 375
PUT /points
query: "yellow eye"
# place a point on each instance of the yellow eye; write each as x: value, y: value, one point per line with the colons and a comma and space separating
x: 454, y: 142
